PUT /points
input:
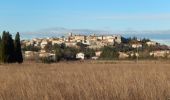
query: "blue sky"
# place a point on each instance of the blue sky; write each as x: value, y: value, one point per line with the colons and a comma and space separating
x: 32, y: 15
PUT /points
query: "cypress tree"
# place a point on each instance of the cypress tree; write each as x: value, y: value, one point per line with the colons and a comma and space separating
x: 0, y: 50
x: 18, y: 52
x: 3, y: 47
x: 7, y: 48
x: 10, y: 49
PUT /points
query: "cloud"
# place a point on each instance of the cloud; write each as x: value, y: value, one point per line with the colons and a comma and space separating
x: 164, y: 41
x: 63, y: 31
x: 136, y: 17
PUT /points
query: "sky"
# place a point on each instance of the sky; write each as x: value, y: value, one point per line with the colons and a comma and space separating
x: 111, y: 15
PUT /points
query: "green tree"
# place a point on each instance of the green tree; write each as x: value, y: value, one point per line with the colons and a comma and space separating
x: 81, y: 46
x: 89, y: 53
x: 18, y: 51
x: 31, y: 48
x: 48, y: 47
x: 4, y: 47
x: 58, y: 54
x: 7, y: 48
x: 69, y: 53
x: 0, y: 49
x: 109, y: 53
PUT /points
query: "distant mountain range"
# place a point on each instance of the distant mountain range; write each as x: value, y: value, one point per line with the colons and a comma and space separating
x: 159, y: 36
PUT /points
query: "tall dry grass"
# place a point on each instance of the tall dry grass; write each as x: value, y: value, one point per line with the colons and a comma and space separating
x: 72, y: 81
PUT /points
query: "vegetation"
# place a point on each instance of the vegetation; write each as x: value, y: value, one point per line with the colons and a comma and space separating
x: 10, y: 50
x: 47, y: 60
x: 109, y: 53
x: 89, y: 53
x: 31, y: 48
x: 18, y: 52
x: 85, y: 81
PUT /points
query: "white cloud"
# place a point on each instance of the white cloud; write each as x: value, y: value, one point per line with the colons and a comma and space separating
x: 161, y: 16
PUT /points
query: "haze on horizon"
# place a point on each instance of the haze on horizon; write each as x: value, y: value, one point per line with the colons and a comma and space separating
x: 108, y: 15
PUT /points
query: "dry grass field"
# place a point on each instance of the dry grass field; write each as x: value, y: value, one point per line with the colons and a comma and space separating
x: 85, y: 81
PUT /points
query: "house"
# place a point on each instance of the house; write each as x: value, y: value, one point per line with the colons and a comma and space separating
x: 160, y: 53
x: 56, y: 42
x: 51, y: 56
x: 134, y: 54
x: 44, y: 43
x: 80, y: 56
x: 123, y: 55
x: 118, y: 39
x: 30, y: 55
x: 71, y: 44
x: 136, y: 45
x: 151, y: 43
x: 80, y: 38
x: 95, y: 58
x: 98, y: 53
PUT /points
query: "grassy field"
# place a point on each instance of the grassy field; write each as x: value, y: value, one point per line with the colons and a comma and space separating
x: 85, y: 81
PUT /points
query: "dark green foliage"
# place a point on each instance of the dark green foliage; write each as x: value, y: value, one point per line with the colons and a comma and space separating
x: 18, y: 52
x: 81, y: 46
x: 46, y: 60
x: 58, y: 52
x: 7, y: 48
x: 0, y: 49
x: 65, y: 53
x: 8, y: 52
x: 69, y: 53
x: 48, y: 47
x: 145, y: 40
x: 109, y: 53
x: 31, y: 48
x: 89, y: 53
x: 123, y: 47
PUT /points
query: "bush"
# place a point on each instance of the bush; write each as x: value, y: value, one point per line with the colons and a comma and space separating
x: 47, y: 60
x: 109, y: 53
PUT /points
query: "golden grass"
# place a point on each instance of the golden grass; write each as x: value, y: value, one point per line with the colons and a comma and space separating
x: 85, y: 81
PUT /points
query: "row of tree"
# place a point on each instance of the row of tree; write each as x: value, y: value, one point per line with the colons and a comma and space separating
x: 10, y: 50
x: 69, y: 53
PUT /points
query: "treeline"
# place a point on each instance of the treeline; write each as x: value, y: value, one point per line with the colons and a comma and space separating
x: 69, y: 53
x: 10, y: 49
x: 64, y: 53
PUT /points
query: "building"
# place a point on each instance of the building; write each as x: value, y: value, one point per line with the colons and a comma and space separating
x: 123, y: 55
x: 71, y: 44
x: 50, y: 56
x: 136, y: 45
x: 80, y: 56
x: 160, y: 53
x: 98, y: 53
x: 151, y: 43
x: 30, y: 55
x: 44, y: 43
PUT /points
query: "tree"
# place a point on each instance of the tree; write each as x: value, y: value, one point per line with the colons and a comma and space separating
x: 3, y: 47
x: 48, y: 47
x: 7, y: 48
x: 18, y: 52
x: 31, y: 48
x: 0, y: 49
x: 89, y: 53
x: 81, y: 46
x: 11, y: 49
x: 58, y: 52
x: 69, y: 53
x: 109, y: 53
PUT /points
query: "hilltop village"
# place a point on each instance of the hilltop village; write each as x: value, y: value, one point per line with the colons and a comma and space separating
x: 92, y: 47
